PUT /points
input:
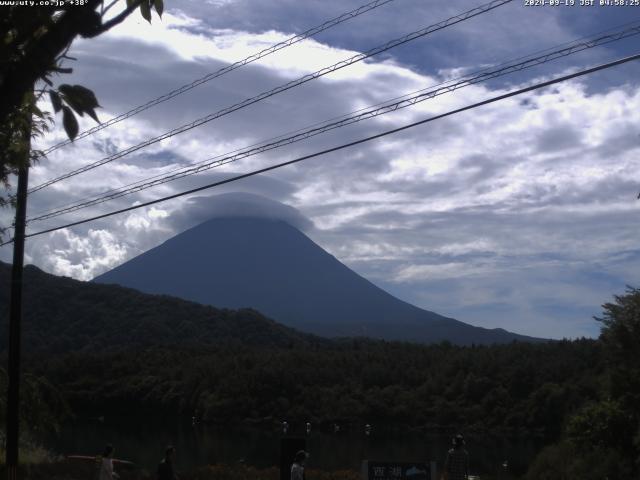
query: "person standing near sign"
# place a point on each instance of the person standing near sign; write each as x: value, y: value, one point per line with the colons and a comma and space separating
x: 297, y: 469
x: 456, y: 466
x: 105, y: 466
x: 166, y: 470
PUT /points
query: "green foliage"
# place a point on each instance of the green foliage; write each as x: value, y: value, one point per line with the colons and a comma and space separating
x: 146, y: 6
x: 19, y: 127
x: 159, y: 6
x: 70, y: 123
x: 80, y: 99
x: 565, y: 461
x: 602, y: 425
x: 333, y: 382
x: 145, y: 11
x: 602, y: 439
x: 620, y: 336
x: 42, y: 406
x: 30, y: 454
x: 56, y: 101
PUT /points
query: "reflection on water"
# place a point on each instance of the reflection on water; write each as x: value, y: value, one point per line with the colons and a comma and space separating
x: 143, y: 442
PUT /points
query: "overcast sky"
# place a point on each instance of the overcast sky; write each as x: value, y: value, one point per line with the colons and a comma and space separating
x: 521, y: 215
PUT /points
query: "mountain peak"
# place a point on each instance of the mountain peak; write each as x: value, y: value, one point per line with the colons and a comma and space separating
x: 264, y: 262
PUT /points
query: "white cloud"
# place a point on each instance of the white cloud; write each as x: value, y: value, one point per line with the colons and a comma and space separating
x: 412, y: 273
x: 77, y: 256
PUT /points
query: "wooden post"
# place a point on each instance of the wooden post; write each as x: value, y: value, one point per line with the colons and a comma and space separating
x: 15, y: 318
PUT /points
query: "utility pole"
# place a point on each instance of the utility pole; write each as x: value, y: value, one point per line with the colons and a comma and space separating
x: 15, y: 317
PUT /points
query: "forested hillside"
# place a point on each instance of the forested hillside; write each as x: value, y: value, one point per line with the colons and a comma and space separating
x: 63, y: 315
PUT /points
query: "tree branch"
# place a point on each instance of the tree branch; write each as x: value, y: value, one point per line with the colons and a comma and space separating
x: 108, y: 7
x: 116, y: 20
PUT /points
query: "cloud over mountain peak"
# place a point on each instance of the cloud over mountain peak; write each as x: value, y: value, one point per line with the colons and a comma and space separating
x: 240, y: 204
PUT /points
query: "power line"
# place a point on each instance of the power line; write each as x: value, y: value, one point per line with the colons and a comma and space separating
x: 346, y: 145
x: 229, y: 68
x: 287, y: 86
x: 363, y: 114
x: 596, y: 39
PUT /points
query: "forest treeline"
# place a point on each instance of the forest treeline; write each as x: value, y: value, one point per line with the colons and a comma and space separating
x: 517, y: 387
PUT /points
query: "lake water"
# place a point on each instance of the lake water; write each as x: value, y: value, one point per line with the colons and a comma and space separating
x: 143, y: 442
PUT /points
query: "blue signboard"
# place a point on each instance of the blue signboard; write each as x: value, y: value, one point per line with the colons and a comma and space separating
x: 379, y: 470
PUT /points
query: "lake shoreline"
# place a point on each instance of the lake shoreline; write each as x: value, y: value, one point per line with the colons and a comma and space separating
x: 63, y: 468
x: 205, y: 444
x: 298, y: 427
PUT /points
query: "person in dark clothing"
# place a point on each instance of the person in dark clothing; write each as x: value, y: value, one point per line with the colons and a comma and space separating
x: 297, y: 469
x: 456, y: 466
x: 165, y: 468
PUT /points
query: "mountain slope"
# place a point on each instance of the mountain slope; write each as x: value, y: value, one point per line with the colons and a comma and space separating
x: 273, y: 267
x: 63, y: 315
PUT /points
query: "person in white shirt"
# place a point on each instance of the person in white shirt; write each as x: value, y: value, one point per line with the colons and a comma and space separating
x: 105, y: 471
x: 297, y: 469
